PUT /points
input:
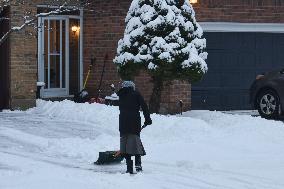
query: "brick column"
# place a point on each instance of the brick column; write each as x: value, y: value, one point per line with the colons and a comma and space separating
x: 23, y: 65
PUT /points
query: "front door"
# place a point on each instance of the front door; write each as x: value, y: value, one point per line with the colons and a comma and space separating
x: 54, y: 56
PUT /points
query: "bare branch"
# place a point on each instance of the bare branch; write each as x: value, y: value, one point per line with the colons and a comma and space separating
x: 3, y: 3
x: 5, y: 36
x: 4, y: 18
x: 63, y: 8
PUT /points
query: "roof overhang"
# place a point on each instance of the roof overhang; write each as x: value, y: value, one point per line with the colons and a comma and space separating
x: 242, y: 27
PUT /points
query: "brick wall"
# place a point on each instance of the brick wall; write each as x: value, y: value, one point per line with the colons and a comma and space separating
x: 172, y: 94
x: 103, y: 27
x: 247, y: 11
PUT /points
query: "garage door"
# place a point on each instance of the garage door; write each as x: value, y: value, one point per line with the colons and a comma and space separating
x: 234, y: 60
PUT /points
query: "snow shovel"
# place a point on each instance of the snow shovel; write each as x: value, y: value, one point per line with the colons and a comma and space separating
x: 83, y: 96
x: 111, y: 157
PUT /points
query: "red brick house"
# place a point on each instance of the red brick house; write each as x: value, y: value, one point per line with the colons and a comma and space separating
x: 244, y: 38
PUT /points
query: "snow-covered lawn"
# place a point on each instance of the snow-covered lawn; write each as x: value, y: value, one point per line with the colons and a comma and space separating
x: 53, y: 145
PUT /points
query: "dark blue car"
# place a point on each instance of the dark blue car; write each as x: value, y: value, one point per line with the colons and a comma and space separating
x: 267, y: 94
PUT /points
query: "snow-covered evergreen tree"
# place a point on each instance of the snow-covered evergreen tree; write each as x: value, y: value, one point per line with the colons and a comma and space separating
x: 163, y: 37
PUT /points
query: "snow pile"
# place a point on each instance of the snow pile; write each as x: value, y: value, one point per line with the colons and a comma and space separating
x: 105, y: 118
x: 53, y: 145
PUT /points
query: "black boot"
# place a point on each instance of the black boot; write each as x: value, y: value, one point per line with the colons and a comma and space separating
x: 129, y: 164
x: 138, y: 168
x: 138, y: 165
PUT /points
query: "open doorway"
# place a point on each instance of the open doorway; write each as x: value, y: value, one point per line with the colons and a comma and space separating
x: 60, y: 55
x: 4, y: 60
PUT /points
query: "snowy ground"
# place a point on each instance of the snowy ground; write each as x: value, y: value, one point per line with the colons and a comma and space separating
x: 253, y: 113
x: 52, y: 147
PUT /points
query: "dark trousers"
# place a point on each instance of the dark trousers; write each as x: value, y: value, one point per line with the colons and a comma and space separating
x: 137, y: 159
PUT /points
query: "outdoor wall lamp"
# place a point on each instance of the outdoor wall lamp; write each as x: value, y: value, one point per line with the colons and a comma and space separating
x: 193, y: 1
x: 75, y: 29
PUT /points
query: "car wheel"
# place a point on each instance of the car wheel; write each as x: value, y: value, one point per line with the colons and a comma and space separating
x: 268, y: 104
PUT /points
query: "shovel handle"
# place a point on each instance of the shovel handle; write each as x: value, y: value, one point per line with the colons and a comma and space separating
x: 87, y: 78
x: 118, y: 153
x: 93, y: 60
x: 143, y: 127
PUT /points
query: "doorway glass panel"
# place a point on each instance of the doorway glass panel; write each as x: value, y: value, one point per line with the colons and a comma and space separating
x: 74, y: 56
x: 54, y: 53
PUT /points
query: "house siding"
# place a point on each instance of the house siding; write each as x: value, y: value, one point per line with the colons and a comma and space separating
x: 103, y: 27
x: 246, y: 11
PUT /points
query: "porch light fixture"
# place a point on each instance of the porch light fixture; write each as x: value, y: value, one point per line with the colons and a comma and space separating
x: 75, y: 29
x: 193, y: 1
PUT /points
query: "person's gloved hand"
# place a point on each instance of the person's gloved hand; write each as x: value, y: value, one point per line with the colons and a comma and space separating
x: 148, y: 122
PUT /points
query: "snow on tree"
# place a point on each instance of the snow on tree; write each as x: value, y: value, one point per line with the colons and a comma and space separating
x: 163, y: 37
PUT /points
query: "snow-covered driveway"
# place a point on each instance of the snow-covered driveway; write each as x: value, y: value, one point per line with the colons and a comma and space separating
x: 52, y: 147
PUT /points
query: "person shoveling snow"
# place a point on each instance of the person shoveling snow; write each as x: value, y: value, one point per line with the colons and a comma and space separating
x: 130, y: 102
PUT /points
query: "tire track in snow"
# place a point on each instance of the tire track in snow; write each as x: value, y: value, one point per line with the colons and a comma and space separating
x: 237, y: 180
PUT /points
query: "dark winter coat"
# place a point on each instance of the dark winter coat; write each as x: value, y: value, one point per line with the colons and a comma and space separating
x: 130, y: 102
